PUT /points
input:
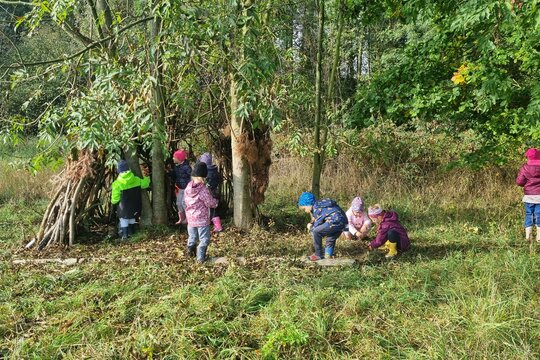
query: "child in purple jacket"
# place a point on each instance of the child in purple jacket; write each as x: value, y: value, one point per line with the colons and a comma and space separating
x: 198, y: 201
x: 181, y: 175
x: 529, y: 179
x: 391, y: 234
x: 359, y: 222
x: 213, y: 180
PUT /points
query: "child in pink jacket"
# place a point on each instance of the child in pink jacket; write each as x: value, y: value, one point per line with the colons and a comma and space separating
x: 198, y: 201
x: 359, y: 222
x: 529, y: 179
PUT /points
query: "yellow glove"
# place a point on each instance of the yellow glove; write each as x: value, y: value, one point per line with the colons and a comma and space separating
x: 309, y: 226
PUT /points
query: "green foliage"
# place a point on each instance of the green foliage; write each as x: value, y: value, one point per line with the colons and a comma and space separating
x: 488, y: 45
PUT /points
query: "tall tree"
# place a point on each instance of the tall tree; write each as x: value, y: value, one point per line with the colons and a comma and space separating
x: 159, y: 203
x: 317, y: 155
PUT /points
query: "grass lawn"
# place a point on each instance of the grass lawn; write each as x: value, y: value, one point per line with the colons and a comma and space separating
x: 468, y: 289
x: 461, y: 292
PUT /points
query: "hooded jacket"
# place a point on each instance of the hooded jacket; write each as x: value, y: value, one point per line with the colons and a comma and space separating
x: 391, y: 222
x: 529, y: 178
x: 328, y: 211
x: 357, y: 222
x: 181, y: 174
x: 198, y: 200
x: 126, y: 192
x: 213, y: 180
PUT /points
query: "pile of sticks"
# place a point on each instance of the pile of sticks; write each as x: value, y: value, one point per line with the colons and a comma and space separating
x: 81, y: 190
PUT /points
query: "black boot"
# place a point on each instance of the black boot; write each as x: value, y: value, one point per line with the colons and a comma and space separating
x: 191, y: 251
x: 131, y: 229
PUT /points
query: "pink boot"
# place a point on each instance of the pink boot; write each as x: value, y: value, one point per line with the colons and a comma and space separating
x: 184, y: 218
x: 217, y: 224
x: 181, y: 218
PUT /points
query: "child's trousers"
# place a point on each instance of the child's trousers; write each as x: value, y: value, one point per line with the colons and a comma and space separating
x: 199, y: 234
x: 325, y: 230
x: 532, y: 214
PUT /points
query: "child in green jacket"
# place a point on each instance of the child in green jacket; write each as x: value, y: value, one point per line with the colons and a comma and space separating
x: 126, y: 193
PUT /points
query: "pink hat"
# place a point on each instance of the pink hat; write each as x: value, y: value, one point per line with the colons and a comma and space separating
x: 357, y: 204
x: 180, y: 155
x: 375, y: 210
x: 533, y: 156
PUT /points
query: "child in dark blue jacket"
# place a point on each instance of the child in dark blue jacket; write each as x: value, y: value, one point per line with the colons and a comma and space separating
x: 213, y: 180
x: 327, y: 220
x: 182, y: 176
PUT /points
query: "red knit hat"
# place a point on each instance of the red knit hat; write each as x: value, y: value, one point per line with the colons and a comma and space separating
x: 533, y: 156
x: 180, y: 155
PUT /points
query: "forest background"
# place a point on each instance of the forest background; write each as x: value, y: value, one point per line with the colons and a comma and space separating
x: 424, y: 106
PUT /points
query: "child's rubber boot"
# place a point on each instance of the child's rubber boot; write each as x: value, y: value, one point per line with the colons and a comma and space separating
x: 201, y: 254
x: 131, y: 229
x: 191, y: 251
x: 385, y: 247
x: 528, y: 233
x: 538, y: 234
x: 124, y: 233
x: 392, y: 250
x: 217, y: 224
x: 184, y: 218
x: 329, y: 252
x: 180, y: 218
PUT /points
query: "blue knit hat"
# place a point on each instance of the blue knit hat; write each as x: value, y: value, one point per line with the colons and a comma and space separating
x: 306, y: 199
x: 122, y: 166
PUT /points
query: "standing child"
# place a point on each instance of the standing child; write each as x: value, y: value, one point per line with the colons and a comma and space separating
x: 327, y: 220
x: 213, y: 180
x: 390, y: 233
x: 126, y: 193
x: 198, y: 200
x: 529, y: 179
x: 181, y: 175
x: 359, y: 222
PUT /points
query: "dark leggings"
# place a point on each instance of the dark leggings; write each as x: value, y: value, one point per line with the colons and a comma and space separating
x: 393, y: 237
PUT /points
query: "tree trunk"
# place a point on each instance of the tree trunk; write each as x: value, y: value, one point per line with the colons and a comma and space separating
x: 243, y: 216
x: 243, y: 212
x: 331, y: 98
x: 159, y: 204
x: 317, y: 159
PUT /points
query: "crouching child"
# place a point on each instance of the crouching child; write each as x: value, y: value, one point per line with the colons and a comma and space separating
x: 359, y: 221
x: 391, y: 235
x: 126, y: 195
x: 198, y: 201
x: 327, y: 221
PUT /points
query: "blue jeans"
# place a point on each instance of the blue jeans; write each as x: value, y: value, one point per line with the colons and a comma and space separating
x: 331, y: 234
x: 202, y: 235
x: 532, y: 214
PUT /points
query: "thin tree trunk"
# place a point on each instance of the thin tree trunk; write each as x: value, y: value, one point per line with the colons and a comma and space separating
x: 331, y: 82
x: 317, y: 160
x: 159, y: 204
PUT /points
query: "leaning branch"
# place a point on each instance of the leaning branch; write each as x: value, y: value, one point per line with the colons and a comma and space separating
x: 8, y: 2
x: 89, y: 47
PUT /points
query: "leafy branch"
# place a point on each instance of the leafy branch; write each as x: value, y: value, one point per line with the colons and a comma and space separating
x: 87, y: 48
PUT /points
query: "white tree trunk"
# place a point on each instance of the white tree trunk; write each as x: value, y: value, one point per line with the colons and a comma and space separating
x: 243, y: 215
